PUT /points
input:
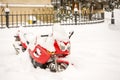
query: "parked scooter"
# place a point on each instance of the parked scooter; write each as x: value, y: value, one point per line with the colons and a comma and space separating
x: 46, y: 51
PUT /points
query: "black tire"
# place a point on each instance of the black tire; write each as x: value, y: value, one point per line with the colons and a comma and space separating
x: 52, y: 67
x: 62, y: 67
x: 23, y: 49
x: 33, y: 62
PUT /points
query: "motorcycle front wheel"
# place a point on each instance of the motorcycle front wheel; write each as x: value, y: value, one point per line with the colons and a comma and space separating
x: 62, y: 67
x: 57, y: 68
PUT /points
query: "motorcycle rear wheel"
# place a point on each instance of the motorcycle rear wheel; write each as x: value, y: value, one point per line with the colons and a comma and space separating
x: 33, y: 62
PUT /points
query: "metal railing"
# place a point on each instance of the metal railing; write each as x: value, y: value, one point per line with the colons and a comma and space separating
x: 26, y: 20
x: 32, y: 20
x: 79, y: 19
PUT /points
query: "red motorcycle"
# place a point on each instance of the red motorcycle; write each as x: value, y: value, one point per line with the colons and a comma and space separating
x: 47, y: 51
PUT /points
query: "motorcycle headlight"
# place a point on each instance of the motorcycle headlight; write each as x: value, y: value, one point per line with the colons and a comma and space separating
x: 68, y: 46
x: 64, y: 46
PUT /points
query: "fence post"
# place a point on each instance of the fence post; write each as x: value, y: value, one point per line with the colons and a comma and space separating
x: 75, y: 18
x: 90, y: 16
x: 1, y: 25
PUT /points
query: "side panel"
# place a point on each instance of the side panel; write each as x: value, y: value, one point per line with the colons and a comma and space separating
x: 42, y: 57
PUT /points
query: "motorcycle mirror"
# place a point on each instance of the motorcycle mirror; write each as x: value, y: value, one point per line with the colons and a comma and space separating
x: 70, y: 34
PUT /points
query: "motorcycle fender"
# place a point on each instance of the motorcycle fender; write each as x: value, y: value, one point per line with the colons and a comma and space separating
x: 59, y: 60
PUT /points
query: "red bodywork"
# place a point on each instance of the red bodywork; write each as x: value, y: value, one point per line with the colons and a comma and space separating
x: 24, y: 45
x: 59, y: 51
x: 43, y: 57
x: 46, y: 55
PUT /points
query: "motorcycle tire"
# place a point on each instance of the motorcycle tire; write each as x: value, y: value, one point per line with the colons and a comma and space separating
x: 33, y: 62
x: 52, y: 67
x: 62, y: 66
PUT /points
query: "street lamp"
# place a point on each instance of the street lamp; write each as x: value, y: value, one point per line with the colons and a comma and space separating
x: 112, y: 18
x: 75, y: 13
x: 7, y: 11
x: 112, y: 14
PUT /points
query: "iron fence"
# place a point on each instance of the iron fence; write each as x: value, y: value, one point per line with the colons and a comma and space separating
x: 26, y: 20
x: 79, y: 19
x: 32, y: 20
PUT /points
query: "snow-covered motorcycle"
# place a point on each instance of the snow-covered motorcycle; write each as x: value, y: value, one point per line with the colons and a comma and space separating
x: 47, y: 51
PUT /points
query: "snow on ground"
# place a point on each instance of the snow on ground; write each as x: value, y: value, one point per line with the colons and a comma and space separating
x: 95, y: 53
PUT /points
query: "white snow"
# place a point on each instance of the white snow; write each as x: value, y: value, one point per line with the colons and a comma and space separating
x: 95, y: 54
x: 59, y: 33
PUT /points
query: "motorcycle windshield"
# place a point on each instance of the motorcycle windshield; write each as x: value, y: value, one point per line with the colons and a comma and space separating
x: 60, y: 34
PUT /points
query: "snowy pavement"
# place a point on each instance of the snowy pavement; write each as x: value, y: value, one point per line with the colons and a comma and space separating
x: 95, y: 53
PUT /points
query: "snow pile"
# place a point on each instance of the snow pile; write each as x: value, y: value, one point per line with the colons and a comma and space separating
x: 59, y: 33
x: 95, y: 55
